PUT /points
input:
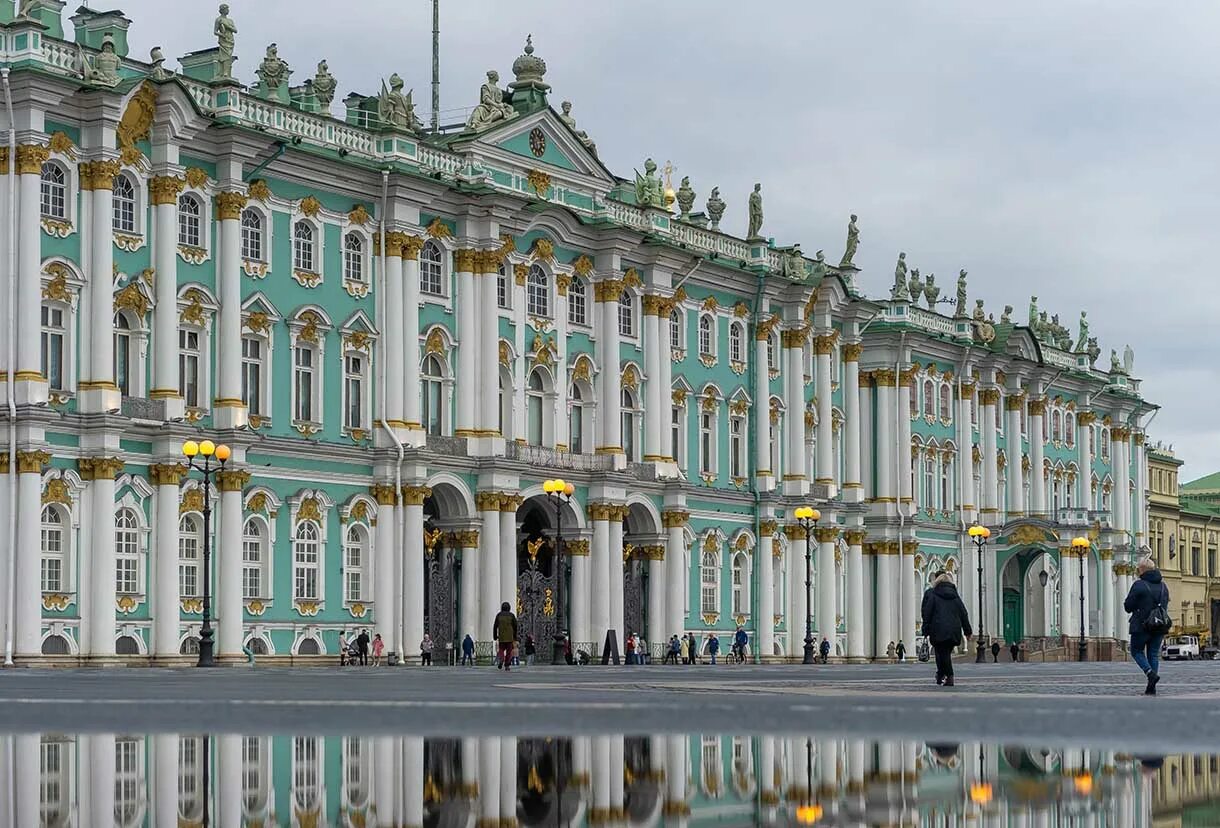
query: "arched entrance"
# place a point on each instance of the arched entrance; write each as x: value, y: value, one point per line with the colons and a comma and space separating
x: 444, y: 510
x: 541, y: 604
x: 545, y: 795
x: 1026, y: 584
x: 639, y: 536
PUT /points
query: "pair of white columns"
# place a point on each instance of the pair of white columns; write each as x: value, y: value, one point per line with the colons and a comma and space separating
x: 1016, y: 474
x: 401, y: 333
x: 30, y: 386
x: 1037, y: 463
x: 497, y: 569
x: 610, y: 405
x: 796, y: 478
x: 606, y: 568
x: 674, y: 520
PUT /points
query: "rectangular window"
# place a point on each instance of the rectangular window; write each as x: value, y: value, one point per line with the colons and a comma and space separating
x: 188, y: 366
x: 352, y: 573
x: 675, y: 429
x: 126, y: 577
x: 705, y: 443
x: 737, y: 446
x: 251, y: 568
x: 188, y: 565
x: 306, y: 580
x: 502, y: 288
x: 252, y: 374
x: 53, y: 333
x: 353, y: 382
x: 304, y: 383
x: 52, y: 574
x: 122, y: 359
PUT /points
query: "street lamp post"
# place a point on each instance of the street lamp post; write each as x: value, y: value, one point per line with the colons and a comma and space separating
x: 561, y: 492
x: 1081, y: 545
x: 980, y: 534
x: 208, y: 459
x: 808, y: 518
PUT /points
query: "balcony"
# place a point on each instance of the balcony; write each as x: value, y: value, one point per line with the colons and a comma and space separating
x: 552, y: 459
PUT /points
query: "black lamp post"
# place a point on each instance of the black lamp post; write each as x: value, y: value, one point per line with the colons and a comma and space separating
x: 208, y: 459
x: 1081, y: 545
x: 561, y: 492
x: 980, y: 534
x: 808, y: 518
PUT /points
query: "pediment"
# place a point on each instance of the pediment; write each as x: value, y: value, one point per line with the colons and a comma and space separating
x: 540, y: 140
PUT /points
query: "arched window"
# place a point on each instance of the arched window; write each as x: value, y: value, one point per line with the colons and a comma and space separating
x: 252, y: 235
x: 190, y: 542
x: 534, y: 404
x: 253, y: 558
x: 353, y: 258
x: 128, y: 776
x: 626, y: 313
x: 190, y: 220
x: 123, y: 197
x: 1069, y: 430
x: 505, y: 388
x: 576, y: 420
x: 946, y: 482
x: 432, y: 394
x: 190, y: 356
x: 737, y: 446
x: 1105, y: 444
x: 1056, y: 426
x: 946, y: 406
x: 430, y: 269
x: 707, y: 442
x: 53, y: 201
x: 709, y: 584
x: 306, y: 551
x: 355, y: 554
x: 303, y: 247
x: 707, y: 336
x: 737, y: 342
x: 929, y: 398
x: 54, y: 551
x: 306, y: 770
x: 741, y: 584
x: 630, y: 419
x: 126, y: 552
x: 537, y: 293
x: 122, y: 354
x: 676, y: 338
x: 578, y: 297
x: 55, y: 766
x: 914, y: 398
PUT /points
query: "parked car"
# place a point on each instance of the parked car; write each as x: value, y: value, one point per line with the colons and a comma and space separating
x: 1183, y: 647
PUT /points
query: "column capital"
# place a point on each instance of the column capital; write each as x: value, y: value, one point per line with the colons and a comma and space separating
x: 464, y: 538
x: 415, y: 495
x: 885, y: 377
x: 487, y: 262
x: 167, y: 474
x: 852, y: 351
x: 655, y: 552
x: 562, y: 282
x: 411, y: 245
x: 30, y: 158
x: 578, y: 548
x: 989, y: 396
x: 32, y: 462
x: 98, y: 468
x: 1120, y: 434
x: 232, y: 480
x: 383, y: 493
x: 855, y: 537
x: 487, y: 501
x: 464, y: 260
x: 675, y: 518
x: 906, y: 378
x: 793, y: 338
x: 1138, y: 437
x: 1086, y: 418
x: 520, y: 271
x: 165, y: 189
x: 826, y: 534
x: 229, y: 205
x: 99, y: 175
x: 510, y: 502
x: 654, y: 305
x: 1037, y: 406
x: 794, y: 531
x: 767, y: 528
x: 607, y: 290
x: 824, y: 344
x: 4, y: 466
x: 608, y: 511
x: 1014, y: 402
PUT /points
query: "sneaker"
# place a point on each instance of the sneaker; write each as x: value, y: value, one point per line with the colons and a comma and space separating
x: 1153, y: 678
x: 940, y: 680
x: 948, y: 681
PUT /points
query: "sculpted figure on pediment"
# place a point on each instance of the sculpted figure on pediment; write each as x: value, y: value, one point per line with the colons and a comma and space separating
x: 492, y: 108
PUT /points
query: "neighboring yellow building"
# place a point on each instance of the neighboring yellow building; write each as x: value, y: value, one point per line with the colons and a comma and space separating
x: 1184, y: 535
x: 1186, y: 792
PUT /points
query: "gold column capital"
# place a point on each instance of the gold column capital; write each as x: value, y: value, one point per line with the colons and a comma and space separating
x: 464, y: 260
x: 99, y: 175
x: 510, y: 502
x: 855, y: 537
x: 487, y: 501
x: 465, y: 538
x: 826, y: 534
x: 232, y: 480
x: 167, y: 474
x: 99, y: 468
x: 675, y: 518
x: 165, y: 189
x: 852, y: 351
x: 578, y: 548
x: 230, y: 204
x: 989, y: 396
x: 767, y: 528
x: 415, y: 495
x: 32, y: 462
x: 383, y: 493
x: 31, y: 157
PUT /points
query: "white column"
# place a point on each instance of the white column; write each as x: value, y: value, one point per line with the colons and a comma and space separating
x: 412, y: 555
x: 965, y: 454
x: 1084, y: 477
x: 508, y: 782
x: 676, y: 759
x: 413, y: 779
x: 230, y: 411
x: 989, y: 397
x: 31, y: 385
x: 761, y: 419
x: 823, y: 348
x: 797, y: 586
x: 827, y: 606
x: 853, y: 485
x: 164, y: 192
x: 410, y: 341
x: 887, y: 565
x: 600, y: 780
x: 164, y: 783
x: 658, y: 635
x: 563, y: 440
x: 101, y: 614
x: 886, y: 487
x: 470, y: 767
x: 911, y: 596
x: 228, y: 771
x: 764, y: 619
x: 854, y: 614
x: 228, y: 554
x: 27, y: 601
x: 489, y: 779
x: 383, y: 780
x: 508, y: 547
x: 97, y: 757
x: 906, y: 480
x: 1037, y: 447
x: 609, y: 406
x: 396, y: 333
x: 1016, y: 474
x: 487, y: 266
x: 385, y: 607
x: 470, y: 613
x: 577, y: 551
x: 468, y: 348
x: 5, y: 481
x: 1068, y: 575
x: 601, y: 560
x: 489, y: 569
x: 1122, y: 479
x: 666, y: 380
x: 617, y: 813
x: 795, y: 476
x: 674, y: 521
x: 656, y: 412
x: 1141, y: 489
x: 163, y: 557
x: 1105, y: 575
x: 615, y: 581
x: 99, y: 392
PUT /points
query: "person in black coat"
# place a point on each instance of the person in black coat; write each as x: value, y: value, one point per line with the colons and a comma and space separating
x: 944, y: 622
x: 1146, y: 593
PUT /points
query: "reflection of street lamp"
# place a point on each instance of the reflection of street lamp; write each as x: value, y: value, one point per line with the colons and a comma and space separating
x: 980, y: 793
x: 213, y: 461
x: 808, y: 517
x: 980, y: 534
x: 559, y: 491
x: 1081, y: 545
x: 808, y: 812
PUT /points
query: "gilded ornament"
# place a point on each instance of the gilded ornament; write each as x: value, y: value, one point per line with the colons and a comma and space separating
x: 438, y: 229
x: 415, y: 495
x: 192, y: 606
x: 60, y: 144
x: 310, y: 332
x: 56, y: 491
x: 504, y: 352
x: 520, y: 271
x: 309, y: 609
x: 539, y: 182
x: 30, y: 158
x: 192, y: 254
x: 131, y: 157
x: 56, y: 601
x: 739, y: 407
x: 631, y: 278
x: 358, y: 340
x: 259, y: 190
x: 710, y: 304
x: 194, y: 313
x: 543, y: 249
x: 257, y: 502
x: 630, y: 378
x: 309, y: 509
x: 583, y: 266
x: 435, y: 343
x: 359, y: 215
x: 196, y: 178
x: 258, y: 322
x: 192, y: 501
x: 126, y: 604
x: 232, y: 480
x: 57, y: 288
x: 229, y: 205
x: 165, y: 189
x: 55, y: 227
x: 130, y: 298
x: 583, y: 369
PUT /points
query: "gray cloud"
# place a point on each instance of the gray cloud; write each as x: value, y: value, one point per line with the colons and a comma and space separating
x: 1050, y: 148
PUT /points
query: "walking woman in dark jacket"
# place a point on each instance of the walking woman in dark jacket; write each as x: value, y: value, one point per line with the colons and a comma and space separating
x: 1147, y: 593
x: 944, y: 622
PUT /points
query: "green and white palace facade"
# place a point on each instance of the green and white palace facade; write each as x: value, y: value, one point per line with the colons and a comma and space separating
x: 402, y: 334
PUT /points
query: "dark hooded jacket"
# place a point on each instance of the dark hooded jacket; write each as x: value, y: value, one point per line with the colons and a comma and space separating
x: 944, y: 614
x: 1145, y: 594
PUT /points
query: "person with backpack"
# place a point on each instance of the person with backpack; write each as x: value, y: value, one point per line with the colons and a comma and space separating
x: 740, y: 640
x: 1148, y: 603
x: 824, y: 650
x: 504, y: 633
x: 362, y: 641
x: 467, y: 651
x: 713, y: 646
x: 945, y: 620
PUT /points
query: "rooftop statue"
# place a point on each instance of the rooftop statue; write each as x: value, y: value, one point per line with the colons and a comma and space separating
x: 984, y: 327
x: 931, y: 292
x: 226, y: 38
x: 794, y: 265
x: 1006, y: 316
x: 899, y: 291
x: 324, y: 84
x: 820, y: 268
x: 756, y: 214
x: 915, y: 284
x: 396, y: 109
x: 649, y: 189
x: 853, y: 242
x: 686, y: 197
x: 273, y: 71
x: 103, y: 70
x: 25, y: 10
x: 1115, y: 366
x: 715, y: 208
x: 959, y: 303
x: 157, y: 58
x: 1033, y: 313
x: 1128, y: 360
x: 1093, y: 350
x: 979, y: 316
x: 566, y: 117
x: 491, y: 109
x: 1082, y: 340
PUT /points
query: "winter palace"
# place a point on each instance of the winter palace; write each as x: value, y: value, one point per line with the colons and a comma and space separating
x: 402, y: 332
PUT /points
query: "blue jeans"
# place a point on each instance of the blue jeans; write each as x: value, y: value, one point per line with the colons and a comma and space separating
x: 1146, y: 651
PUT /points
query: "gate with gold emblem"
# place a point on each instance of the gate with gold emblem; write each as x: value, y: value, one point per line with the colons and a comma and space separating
x: 536, y: 599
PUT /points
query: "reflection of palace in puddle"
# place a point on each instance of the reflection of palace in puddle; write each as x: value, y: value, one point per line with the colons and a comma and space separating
x: 500, y: 782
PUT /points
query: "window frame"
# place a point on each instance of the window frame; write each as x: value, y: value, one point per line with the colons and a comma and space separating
x: 677, y: 329
x: 254, y: 239
x: 426, y: 264
x: 63, y: 526
x: 738, y: 465
x: 355, y: 260
x: 127, y: 551
x: 578, y: 302
x: 189, y: 564
x: 707, y: 349
x: 709, y: 565
x: 538, y: 300
x: 627, y: 314
x: 58, y: 335
x: 305, y: 570
x: 305, y: 251
x: 437, y: 386
x: 55, y: 196
x: 260, y: 568
x: 124, y: 208
x: 261, y: 365
x: 191, y: 235
x: 363, y: 388
x: 185, y: 354
x: 737, y: 342
x: 363, y: 549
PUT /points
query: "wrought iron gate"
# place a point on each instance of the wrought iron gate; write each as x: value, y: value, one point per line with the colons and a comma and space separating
x: 635, y: 597
x: 440, y: 607
x: 537, y: 608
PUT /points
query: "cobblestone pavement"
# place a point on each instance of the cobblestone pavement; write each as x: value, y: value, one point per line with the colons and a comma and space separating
x: 1036, y: 704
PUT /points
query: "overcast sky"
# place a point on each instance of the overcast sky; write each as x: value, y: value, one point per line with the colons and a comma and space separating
x: 1062, y: 149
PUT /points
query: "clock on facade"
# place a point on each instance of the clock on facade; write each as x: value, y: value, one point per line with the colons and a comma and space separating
x: 537, y: 142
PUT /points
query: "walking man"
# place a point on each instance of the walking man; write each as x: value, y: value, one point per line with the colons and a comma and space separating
x: 504, y: 633
x: 362, y: 644
x: 995, y: 651
x: 824, y: 649
x: 1148, y: 603
x: 944, y: 622
x: 1015, y: 649
x: 467, y: 651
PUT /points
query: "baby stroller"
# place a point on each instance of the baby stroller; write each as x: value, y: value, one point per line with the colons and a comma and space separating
x: 351, y: 656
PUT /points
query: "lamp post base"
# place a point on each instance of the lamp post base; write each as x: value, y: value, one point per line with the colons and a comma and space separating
x: 809, y: 659
x: 207, y: 650
x: 1084, y: 651
x: 980, y: 654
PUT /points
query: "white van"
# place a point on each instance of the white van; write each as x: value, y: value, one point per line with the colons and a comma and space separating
x: 1180, y: 647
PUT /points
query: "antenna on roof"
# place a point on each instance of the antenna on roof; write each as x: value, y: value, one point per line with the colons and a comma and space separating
x: 436, y: 65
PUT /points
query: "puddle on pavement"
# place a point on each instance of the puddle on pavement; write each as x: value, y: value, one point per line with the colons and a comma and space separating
x: 53, y: 779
